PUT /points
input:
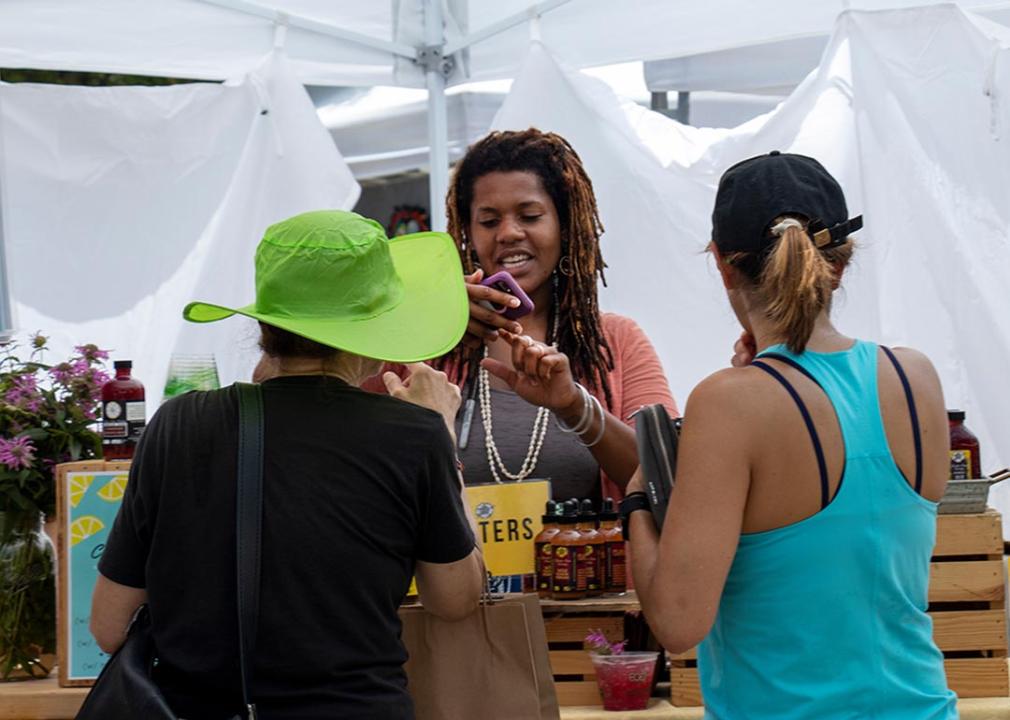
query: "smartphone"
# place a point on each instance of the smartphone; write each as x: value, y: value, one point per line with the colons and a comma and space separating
x: 507, y: 284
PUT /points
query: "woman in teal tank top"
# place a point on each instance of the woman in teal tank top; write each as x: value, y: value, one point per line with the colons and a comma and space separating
x: 795, y: 551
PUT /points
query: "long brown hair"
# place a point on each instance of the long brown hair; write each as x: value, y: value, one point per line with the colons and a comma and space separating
x: 793, y: 278
x: 551, y: 158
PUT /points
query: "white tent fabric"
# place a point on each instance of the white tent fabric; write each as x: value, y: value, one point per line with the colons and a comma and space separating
x: 385, y: 137
x: 762, y: 67
x: 122, y: 204
x: 391, y: 139
x: 907, y: 109
x: 223, y: 38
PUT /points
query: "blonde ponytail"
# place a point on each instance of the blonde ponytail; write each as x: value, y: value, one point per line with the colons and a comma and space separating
x: 796, y: 282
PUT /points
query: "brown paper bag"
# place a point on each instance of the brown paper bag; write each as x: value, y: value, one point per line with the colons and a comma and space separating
x: 494, y: 664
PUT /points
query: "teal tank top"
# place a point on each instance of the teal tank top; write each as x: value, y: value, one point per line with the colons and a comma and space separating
x: 826, y: 618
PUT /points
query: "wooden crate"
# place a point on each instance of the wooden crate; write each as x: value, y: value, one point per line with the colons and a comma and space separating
x: 567, y: 624
x: 967, y: 595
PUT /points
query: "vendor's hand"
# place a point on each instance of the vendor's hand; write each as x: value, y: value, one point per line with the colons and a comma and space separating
x: 484, y: 324
x: 428, y: 388
x: 540, y: 375
x: 744, y: 350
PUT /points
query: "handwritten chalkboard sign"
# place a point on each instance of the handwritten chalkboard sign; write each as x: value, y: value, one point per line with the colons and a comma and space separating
x: 88, y: 497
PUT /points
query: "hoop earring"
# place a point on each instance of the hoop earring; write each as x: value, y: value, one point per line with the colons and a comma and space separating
x: 565, y: 266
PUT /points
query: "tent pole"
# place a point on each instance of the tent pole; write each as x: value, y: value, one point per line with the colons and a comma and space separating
x: 436, y: 69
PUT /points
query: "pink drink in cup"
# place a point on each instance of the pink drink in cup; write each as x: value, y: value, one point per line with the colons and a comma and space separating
x: 625, y: 680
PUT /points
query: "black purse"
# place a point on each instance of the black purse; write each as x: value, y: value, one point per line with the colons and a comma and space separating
x: 657, y: 437
x: 125, y: 689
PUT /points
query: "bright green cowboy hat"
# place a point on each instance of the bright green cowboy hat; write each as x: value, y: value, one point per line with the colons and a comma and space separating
x: 333, y: 277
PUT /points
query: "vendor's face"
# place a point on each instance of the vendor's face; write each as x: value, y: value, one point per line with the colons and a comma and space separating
x: 514, y: 226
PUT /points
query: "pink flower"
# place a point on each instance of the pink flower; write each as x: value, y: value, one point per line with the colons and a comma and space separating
x: 62, y: 373
x: 98, y: 377
x: 24, y: 393
x: 17, y: 453
x: 91, y: 352
x: 597, y: 642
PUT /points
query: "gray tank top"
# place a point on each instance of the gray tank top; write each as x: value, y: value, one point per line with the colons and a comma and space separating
x: 570, y: 466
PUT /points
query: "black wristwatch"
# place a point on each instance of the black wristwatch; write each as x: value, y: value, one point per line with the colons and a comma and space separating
x: 631, y: 503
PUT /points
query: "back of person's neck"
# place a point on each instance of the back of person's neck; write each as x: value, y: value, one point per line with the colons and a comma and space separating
x: 824, y: 338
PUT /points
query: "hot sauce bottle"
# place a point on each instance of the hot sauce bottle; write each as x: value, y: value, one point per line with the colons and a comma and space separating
x: 542, y: 548
x: 123, y: 414
x: 965, y: 461
x: 565, y: 547
x: 590, y: 563
x: 615, y: 571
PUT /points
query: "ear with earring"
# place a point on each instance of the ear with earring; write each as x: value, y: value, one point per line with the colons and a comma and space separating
x: 565, y: 266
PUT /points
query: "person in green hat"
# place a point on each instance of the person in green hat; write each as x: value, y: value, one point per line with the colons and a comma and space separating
x: 361, y: 491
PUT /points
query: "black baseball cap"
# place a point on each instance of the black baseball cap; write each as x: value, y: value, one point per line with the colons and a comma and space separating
x: 755, y: 191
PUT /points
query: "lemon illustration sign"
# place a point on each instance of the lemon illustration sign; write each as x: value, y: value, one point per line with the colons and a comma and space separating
x: 91, y: 499
x: 508, y: 518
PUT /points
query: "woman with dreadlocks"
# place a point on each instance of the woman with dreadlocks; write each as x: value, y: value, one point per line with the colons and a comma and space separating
x: 522, y: 202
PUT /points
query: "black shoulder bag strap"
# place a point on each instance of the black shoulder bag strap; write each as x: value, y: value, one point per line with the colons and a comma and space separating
x: 249, y: 515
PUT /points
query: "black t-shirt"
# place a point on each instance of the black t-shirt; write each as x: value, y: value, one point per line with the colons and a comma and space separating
x: 356, y: 487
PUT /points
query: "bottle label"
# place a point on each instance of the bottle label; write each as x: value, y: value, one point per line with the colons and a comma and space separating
x: 616, y: 572
x: 563, y: 565
x: 586, y: 568
x: 114, y: 426
x: 542, y: 561
x: 960, y: 464
x: 135, y: 418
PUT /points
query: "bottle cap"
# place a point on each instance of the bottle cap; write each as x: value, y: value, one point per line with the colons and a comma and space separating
x: 551, y: 512
x: 570, y: 511
x: 586, y: 511
x: 122, y: 364
x: 608, y: 512
x: 955, y: 415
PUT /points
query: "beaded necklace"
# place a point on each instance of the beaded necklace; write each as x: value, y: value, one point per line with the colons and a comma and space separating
x: 537, y: 436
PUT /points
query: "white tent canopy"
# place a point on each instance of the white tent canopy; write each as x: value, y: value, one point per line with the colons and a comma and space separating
x: 763, y: 66
x: 349, y: 42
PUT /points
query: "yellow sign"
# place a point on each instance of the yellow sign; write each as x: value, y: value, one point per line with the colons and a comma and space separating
x: 508, y: 518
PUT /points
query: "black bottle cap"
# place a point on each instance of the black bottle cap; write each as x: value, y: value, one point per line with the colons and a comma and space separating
x: 551, y: 512
x: 586, y: 511
x: 955, y: 415
x: 608, y: 512
x: 122, y: 364
x: 570, y: 512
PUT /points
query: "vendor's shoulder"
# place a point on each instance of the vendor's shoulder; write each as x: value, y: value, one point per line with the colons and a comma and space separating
x: 617, y: 326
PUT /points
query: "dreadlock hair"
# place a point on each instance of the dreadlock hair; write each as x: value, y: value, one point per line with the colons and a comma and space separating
x: 552, y: 159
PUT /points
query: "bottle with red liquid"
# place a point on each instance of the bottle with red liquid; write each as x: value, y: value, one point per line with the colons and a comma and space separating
x: 615, y: 570
x: 590, y: 561
x: 542, y: 548
x: 565, y: 546
x: 965, y: 461
x: 123, y: 413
